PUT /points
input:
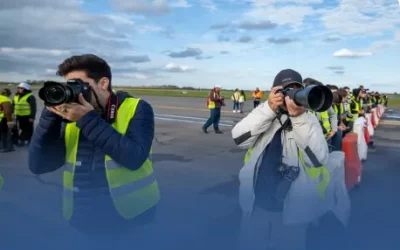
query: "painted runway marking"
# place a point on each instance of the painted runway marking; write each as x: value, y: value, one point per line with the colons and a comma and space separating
x: 192, y: 109
x: 189, y: 121
x: 188, y: 117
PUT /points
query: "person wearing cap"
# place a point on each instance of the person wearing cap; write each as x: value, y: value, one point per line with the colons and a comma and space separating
x: 257, y: 95
x: 285, y: 144
x: 328, y: 118
x: 215, y: 102
x: 25, y: 112
x: 6, y: 121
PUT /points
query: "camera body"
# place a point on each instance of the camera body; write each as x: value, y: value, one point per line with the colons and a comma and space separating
x: 56, y: 93
x: 288, y: 174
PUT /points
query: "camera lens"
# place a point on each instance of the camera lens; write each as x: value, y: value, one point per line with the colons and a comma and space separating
x: 55, y: 94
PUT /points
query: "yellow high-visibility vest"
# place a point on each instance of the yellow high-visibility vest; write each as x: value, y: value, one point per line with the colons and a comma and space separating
x: 211, y: 104
x: 2, y: 100
x: 323, y: 117
x: 314, y: 172
x: 132, y: 192
x: 357, y: 108
x: 21, y: 105
x: 340, y: 110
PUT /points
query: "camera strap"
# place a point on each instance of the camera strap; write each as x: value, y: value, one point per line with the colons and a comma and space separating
x: 112, y: 108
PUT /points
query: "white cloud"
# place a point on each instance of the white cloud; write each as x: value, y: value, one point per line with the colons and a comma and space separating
x: 288, y: 15
x: 180, y: 4
x: 346, y: 53
x: 175, y: 68
x: 367, y: 17
x: 34, y: 52
x: 149, y: 7
x: 209, y: 4
x: 270, y: 2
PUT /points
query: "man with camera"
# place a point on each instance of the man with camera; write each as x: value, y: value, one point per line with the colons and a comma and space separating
x: 214, y: 102
x: 284, y: 174
x: 103, y: 141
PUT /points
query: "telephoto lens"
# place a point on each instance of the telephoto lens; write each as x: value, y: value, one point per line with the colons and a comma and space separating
x: 56, y: 93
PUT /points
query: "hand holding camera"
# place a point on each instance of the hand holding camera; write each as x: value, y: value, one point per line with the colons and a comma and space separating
x: 72, y: 111
x: 69, y: 100
x: 275, y: 98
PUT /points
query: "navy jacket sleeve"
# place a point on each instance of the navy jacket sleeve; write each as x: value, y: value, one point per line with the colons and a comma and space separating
x: 32, y: 103
x: 47, y: 147
x: 130, y: 150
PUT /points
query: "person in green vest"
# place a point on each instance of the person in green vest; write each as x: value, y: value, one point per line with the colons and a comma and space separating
x: 235, y: 101
x: 242, y: 100
x: 25, y: 112
x: 6, y: 121
x: 339, y: 97
x: 104, y: 146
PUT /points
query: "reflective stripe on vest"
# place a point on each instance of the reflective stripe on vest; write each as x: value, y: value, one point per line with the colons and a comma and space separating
x: 2, y: 100
x: 324, y: 118
x: 21, y: 105
x: 315, y: 172
x: 132, y: 192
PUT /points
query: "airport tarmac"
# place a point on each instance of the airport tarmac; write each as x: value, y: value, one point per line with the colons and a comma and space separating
x: 197, y: 174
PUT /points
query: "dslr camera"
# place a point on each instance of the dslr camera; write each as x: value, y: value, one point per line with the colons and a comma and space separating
x: 314, y: 97
x: 56, y: 93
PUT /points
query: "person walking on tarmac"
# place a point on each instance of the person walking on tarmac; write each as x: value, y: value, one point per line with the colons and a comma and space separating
x: 6, y: 121
x: 215, y: 102
x: 257, y: 95
x: 110, y: 187
x: 25, y: 112
x: 284, y: 142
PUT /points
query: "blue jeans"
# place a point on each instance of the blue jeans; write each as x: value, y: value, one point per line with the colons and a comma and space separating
x: 235, y: 105
x: 215, y: 115
x: 336, y: 141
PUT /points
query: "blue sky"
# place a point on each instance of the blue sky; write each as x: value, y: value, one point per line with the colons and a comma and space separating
x: 234, y: 43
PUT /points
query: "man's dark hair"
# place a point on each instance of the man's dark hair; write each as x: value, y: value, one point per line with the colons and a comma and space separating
x: 346, y: 88
x: 94, y: 66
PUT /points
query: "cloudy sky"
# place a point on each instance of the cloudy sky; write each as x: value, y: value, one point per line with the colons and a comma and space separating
x: 235, y: 43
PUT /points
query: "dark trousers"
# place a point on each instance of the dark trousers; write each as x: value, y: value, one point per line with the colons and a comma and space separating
x: 336, y: 141
x: 215, y: 116
x: 5, y: 135
x: 256, y: 103
x: 26, y: 128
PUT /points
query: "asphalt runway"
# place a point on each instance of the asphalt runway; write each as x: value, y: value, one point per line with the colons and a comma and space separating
x: 197, y: 174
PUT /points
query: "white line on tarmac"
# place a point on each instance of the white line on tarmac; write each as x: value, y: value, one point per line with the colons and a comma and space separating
x: 188, y: 117
x: 188, y: 121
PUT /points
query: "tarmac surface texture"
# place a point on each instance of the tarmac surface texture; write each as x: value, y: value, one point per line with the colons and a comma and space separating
x: 197, y: 174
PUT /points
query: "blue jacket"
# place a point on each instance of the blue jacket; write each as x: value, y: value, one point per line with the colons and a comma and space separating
x: 97, y: 138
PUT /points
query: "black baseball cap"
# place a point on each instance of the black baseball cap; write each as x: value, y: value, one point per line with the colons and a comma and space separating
x: 287, y: 77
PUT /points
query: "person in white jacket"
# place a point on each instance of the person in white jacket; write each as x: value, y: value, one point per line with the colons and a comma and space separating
x: 284, y: 176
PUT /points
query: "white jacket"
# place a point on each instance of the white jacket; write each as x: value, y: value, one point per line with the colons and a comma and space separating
x: 302, y: 204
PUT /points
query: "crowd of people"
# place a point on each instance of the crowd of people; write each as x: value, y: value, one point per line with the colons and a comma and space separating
x: 17, y: 116
x: 338, y: 120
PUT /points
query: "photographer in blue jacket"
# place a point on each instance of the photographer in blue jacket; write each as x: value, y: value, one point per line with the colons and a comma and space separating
x: 102, y: 139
